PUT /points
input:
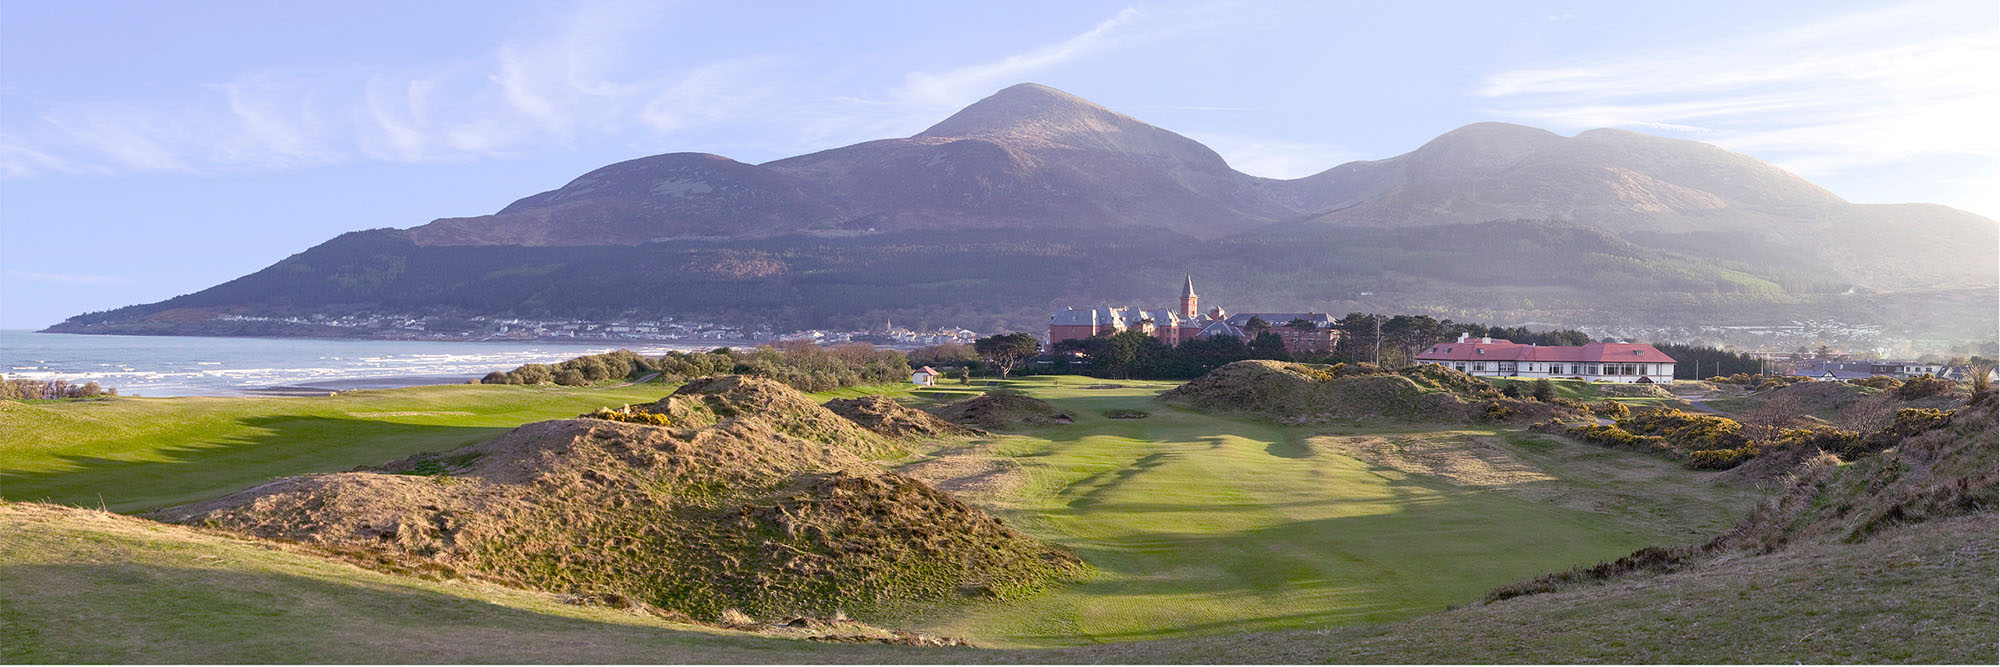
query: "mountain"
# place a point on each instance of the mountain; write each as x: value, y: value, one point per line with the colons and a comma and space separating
x: 1033, y: 198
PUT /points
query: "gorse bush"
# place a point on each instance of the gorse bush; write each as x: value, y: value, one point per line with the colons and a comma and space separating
x: 1925, y: 386
x: 1545, y: 391
x: 630, y: 416
x: 804, y: 366
x: 52, y: 389
x: 1878, y: 382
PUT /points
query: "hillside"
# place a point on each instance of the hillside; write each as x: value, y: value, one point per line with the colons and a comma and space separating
x: 754, y: 499
x: 1005, y: 210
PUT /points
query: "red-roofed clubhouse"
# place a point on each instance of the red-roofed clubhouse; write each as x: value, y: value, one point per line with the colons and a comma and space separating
x: 1597, y: 362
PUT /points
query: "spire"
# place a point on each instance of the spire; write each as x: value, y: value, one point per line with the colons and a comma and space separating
x: 1187, y: 290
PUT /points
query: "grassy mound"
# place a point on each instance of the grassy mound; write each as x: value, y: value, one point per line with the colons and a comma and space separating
x: 1948, y: 468
x: 756, y: 499
x: 1300, y: 393
x: 1941, y: 470
x: 1002, y: 412
x: 889, y: 418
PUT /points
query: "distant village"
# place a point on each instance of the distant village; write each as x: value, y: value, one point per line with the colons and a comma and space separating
x: 662, y: 329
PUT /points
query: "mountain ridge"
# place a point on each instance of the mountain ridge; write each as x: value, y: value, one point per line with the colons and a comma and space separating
x: 1032, y: 177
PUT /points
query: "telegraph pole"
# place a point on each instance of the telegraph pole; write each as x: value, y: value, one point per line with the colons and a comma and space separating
x: 1378, y: 338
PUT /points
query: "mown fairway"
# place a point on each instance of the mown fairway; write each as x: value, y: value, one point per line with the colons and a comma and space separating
x: 1196, y: 524
x: 134, y: 454
x: 1204, y: 524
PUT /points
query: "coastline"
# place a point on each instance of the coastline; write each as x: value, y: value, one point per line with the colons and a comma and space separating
x: 170, y: 366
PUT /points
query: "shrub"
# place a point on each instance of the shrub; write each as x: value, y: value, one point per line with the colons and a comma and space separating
x: 496, y: 377
x: 570, y: 377
x: 1883, y: 382
x: 1925, y: 386
x: 1512, y: 390
x: 1720, y: 459
x: 1545, y: 391
x: 532, y: 374
x: 1498, y: 412
x: 1610, y: 410
x: 630, y: 416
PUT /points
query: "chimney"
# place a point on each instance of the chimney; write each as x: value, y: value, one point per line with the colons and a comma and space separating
x: 1488, y: 340
x: 1463, y: 336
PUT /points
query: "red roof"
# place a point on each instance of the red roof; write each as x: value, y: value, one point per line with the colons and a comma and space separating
x: 1504, y: 350
x: 927, y: 370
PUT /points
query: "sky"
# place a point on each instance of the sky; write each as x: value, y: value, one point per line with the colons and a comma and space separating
x: 152, y: 149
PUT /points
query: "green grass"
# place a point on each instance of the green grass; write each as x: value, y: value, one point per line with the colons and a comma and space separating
x: 1194, y: 524
x: 133, y: 454
x: 1201, y: 525
x: 1199, y: 528
x: 85, y: 587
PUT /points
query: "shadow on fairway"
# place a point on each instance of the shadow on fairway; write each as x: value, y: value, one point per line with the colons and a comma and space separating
x: 272, y: 447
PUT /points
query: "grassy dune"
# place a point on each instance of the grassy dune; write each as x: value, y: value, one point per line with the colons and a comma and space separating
x: 91, y: 587
x: 1194, y: 524
x: 133, y: 454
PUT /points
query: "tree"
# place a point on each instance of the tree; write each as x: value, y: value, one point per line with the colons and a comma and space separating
x: 1301, y: 324
x: 1005, y: 351
x: 1268, y: 345
x: 1256, y: 323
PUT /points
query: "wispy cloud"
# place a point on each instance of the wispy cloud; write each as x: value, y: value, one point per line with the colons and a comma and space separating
x: 578, y: 80
x: 68, y: 278
x: 1864, y: 89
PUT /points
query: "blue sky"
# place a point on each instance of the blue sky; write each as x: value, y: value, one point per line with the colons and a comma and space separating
x: 155, y: 149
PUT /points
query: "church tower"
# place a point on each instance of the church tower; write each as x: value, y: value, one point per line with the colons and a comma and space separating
x: 1188, y: 308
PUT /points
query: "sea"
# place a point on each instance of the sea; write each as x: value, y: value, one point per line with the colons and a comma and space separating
x: 194, y: 366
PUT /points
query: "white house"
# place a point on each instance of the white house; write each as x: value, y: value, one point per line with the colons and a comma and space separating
x: 924, y: 377
x: 1597, y: 362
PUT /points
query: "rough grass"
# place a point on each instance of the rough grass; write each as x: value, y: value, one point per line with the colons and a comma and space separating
x: 886, y: 417
x: 1003, y: 411
x: 1303, y: 393
x: 91, y: 587
x: 133, y: 454
x: 758, y: 500
x: 1633, y: 395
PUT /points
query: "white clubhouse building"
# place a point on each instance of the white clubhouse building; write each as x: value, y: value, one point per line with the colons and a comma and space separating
x: 1597, y: 362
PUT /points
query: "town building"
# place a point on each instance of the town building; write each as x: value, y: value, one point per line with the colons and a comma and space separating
x: 1313, y: 333
x: 1597, y: 362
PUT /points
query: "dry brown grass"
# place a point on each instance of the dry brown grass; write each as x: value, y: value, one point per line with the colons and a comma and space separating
x: 886, y: 417
x: 758, y: 500
x: 1302, y: 394
x: 1003, y: 412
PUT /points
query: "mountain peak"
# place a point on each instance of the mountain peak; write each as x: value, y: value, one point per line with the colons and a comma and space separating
x: 1023, y: 106
x: 1034, y: 116
x: 1484, y: 146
